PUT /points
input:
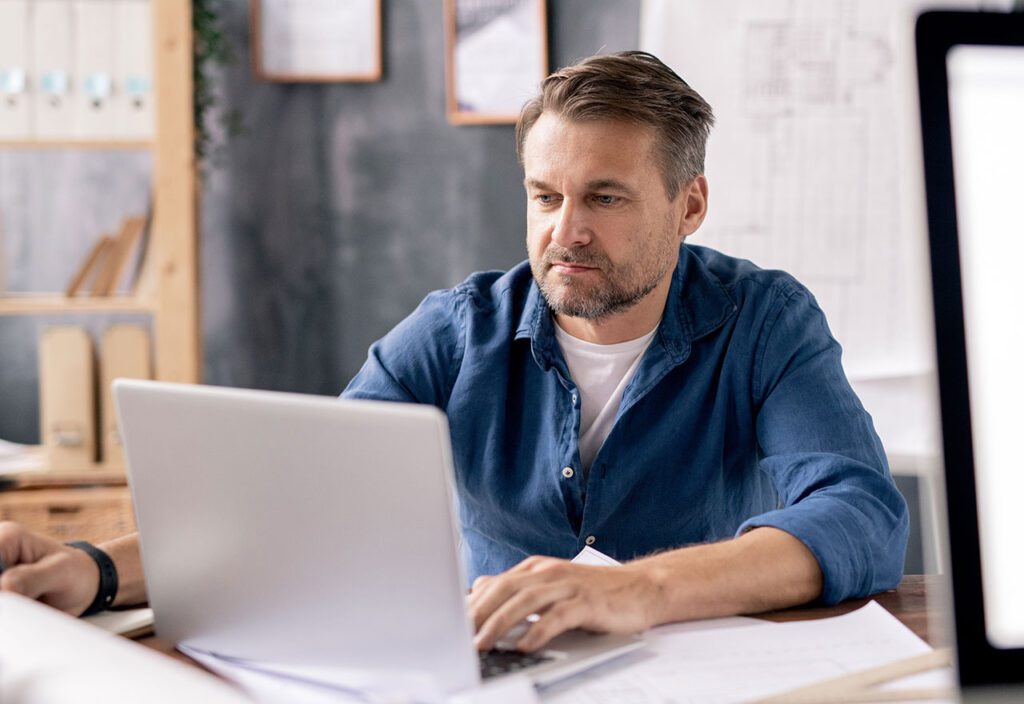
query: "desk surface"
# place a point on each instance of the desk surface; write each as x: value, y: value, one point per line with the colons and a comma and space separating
x: 908, y: 603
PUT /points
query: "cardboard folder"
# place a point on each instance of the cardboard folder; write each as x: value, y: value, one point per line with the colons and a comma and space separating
x: 67, y: 398
x: 124, y: 354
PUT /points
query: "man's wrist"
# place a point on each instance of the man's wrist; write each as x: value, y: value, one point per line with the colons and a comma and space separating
x: 106, y: 591
x: 653, y: 594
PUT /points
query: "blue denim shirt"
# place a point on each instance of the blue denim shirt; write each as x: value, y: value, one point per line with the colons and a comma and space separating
x: 739, y: 416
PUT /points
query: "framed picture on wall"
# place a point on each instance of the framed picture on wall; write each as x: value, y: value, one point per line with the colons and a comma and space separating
x: 497, y: 55
x: 316, y: 41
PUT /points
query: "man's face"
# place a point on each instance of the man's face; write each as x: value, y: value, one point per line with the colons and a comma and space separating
x: 601, y: 231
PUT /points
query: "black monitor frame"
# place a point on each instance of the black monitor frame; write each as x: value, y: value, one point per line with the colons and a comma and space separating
x: 980, y: 663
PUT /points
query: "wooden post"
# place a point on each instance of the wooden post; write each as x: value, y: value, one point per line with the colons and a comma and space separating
x: 172, y: 270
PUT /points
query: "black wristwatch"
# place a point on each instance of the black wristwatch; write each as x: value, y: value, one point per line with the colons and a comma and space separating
x: 108, y: 577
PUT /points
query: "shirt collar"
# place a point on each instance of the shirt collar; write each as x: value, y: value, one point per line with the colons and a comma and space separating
x: 536, y: 324
x: 697, y: 305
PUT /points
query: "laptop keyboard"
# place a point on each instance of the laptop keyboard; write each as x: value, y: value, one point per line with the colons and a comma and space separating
x: 498, y: 662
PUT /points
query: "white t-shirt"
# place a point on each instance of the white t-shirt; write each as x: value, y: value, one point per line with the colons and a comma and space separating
x: 601, y: 373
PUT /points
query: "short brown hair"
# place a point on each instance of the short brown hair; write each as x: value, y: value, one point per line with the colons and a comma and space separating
x: 636, y: 87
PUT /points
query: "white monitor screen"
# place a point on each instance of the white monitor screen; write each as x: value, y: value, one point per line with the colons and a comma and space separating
x: 986, y: 97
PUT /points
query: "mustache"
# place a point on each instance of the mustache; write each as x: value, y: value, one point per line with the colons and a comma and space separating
x: 583, y: 257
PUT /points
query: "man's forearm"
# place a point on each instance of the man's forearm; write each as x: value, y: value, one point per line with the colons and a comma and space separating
x: 761, y: 570
x: 127, y: 559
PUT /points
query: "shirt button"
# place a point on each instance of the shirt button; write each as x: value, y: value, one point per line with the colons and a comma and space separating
x: 568, y: 472
x: 574, y: 399
x: 590, y: 540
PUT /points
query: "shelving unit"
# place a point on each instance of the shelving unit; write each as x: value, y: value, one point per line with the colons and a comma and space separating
x: 168, y: 289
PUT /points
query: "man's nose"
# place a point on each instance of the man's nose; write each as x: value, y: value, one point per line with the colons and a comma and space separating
x: 571, y: 227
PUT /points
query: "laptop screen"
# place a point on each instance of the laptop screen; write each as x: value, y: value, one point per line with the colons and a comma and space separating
x: 986, y: 105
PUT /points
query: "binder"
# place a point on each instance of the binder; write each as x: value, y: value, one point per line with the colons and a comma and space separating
x: 67, y: 398
x: 53, y: 115
x: 95, y: 43
x: 14, y: 70
x: 124, y: 353
x: 133, y: 75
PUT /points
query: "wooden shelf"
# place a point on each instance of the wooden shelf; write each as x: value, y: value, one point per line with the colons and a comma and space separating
x: 101, y: 476
x: 55, y: 304
x: 88, y: 474
x: 75, y: 144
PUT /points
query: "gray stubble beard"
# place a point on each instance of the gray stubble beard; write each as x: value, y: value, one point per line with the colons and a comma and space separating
x: 600, y: 304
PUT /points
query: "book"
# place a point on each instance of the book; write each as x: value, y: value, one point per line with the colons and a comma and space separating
x: 94, y: 261
x: 108, y: 277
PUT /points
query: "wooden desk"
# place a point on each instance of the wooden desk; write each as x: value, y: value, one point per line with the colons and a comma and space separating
x: 908, y: 603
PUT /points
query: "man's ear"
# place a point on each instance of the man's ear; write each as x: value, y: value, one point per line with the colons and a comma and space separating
x: 693, y: 201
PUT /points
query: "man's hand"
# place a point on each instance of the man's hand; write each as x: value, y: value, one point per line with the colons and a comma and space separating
x: 564, y: 596
x: 761, y: 570
x: 43, y: 569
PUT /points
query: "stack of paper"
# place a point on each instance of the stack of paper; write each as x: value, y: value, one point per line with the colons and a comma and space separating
x: 18, y: 459
x: 130, y: 623
x: 744, y: 660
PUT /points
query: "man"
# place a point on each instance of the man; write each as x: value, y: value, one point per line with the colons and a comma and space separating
x: 677, y: 409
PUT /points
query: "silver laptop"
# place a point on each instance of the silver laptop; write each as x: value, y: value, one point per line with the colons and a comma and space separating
x: 971, y: 80
x: 307, y: 531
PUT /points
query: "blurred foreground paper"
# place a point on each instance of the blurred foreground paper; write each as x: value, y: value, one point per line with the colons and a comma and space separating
x: 48, y: 656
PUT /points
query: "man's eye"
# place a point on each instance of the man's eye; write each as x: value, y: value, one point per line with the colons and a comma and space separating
x: 607, y: 200
x: 545, y: 199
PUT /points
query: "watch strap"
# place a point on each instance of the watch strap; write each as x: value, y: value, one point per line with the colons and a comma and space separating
x: 107, y: 591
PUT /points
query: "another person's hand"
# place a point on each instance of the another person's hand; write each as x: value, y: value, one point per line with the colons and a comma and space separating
x: 40, y: 568
x: 564, y: 596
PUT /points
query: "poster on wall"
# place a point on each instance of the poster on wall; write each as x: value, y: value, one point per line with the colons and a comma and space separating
x: 316, y: 41
x: 496, y: 58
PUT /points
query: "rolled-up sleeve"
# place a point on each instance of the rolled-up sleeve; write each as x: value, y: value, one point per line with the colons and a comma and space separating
x: 418, y: 360
x: 819, y: 446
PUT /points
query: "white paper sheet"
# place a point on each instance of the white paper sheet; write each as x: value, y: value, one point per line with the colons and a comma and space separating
x: 122, y: 622
x: 278, y: 688
x: 700, y: 666
x: 284, y: 685
x: 590, y: 556
x: 16, y: 458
